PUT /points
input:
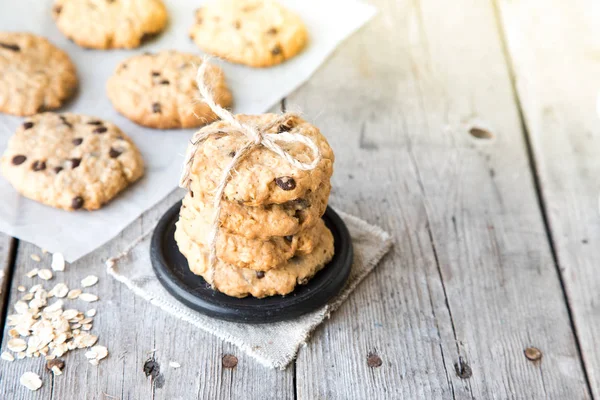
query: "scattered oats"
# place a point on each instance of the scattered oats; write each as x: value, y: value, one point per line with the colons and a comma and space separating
x: 86, y: 321
x: 60, y: 290
x: 70, y: 314
x: 174, y: 364
x: 57, y: 305
x: 7, y: 356
x: 35, y: 258
x: 31, y: 380
x: 73, y: 294
x: 45, y: 274
x: 13, y: 333
x: 35, y: 288
x: 16, y: 345
x: 76, y: 326
x: 87, y: 340
x: 21, y: 355
x: 89, y: 280
x: 56, y: 370
x: 27, y: 297
x: 91, y: 313
x: 58, y: 262
x: 21, y: 288
x: 91, y: 354
x: 88, y: 297
x: 86, y: 327
x: 32, y: 273
x: 21, y: 307
x: 101, y: 352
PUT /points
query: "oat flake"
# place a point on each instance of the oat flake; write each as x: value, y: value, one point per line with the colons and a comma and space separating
x: 88, y: 281
x: 31, y: 380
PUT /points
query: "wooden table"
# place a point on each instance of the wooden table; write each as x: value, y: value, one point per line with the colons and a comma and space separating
x: 468, y: 130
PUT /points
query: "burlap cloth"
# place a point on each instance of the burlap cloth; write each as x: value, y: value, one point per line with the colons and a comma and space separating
x: 273, y: 345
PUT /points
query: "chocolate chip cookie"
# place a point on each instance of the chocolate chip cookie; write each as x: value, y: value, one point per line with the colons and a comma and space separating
x: 35, y: 75
x: 256, y: 254
x: 262, y: 177
x: 160, y: 91
x: 106, y: 24
x: 263, y: 222
x: 259, y: 33
x: 241, y: 282
x: 70, y: 161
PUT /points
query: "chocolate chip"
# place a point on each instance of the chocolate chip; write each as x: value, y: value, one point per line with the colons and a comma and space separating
x: 272, y: 31
x: 77, y: 203
x: 147, y: 37
x: 373, y: 360
x: 260, y: 274
x: 58, y: 169
x: 38, y: 165
x: 77, y: 141
x: 100, y: 129
x: 12, y: 47
x: 113, y: 153
x: 94, y: 122
x: 286, y: 183
x: 75, y: 162
x: 57, y: 362
x: 289, y: 124
x: 57, y: 9
x: 191, y: 194
x: 289, y: 238
x: 28, y: 125
x: 155, y: 73
x: 229, y: 361
x: 18, y: 160
x: 276, y: 50
x: 165, y: 82
x: 232, y: 154
x: 156, y: 108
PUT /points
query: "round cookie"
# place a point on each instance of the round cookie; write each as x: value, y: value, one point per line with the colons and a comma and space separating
x: 258, y: 33
x: 256, y: 254
x: 70, y: 161
x: 262, y: 177
x: 107, y: 24
x: 34, y: 74
x: 160, y: 91
x: 263, y: 222
x: 241, y: 282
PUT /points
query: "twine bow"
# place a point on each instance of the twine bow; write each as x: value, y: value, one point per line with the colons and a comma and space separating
x: 256, y: 135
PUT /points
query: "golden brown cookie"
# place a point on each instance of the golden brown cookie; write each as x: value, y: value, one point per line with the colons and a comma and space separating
x: 241, y: 282
x: 264, y: 221
x: 256, y: 254
x: 259, y: 33
x: 34, y: 74
x: 70, y: 161
x: 262, y: 177
x: 109, y: 24
x: 160, y: 91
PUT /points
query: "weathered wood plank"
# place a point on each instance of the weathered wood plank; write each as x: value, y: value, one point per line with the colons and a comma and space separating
x: 7, y: 246
x: 472, y: 276
x: 131, y: 328
x: 555, y: 51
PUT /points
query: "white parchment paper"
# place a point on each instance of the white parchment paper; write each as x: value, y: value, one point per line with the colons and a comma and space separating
x: 255, y: 90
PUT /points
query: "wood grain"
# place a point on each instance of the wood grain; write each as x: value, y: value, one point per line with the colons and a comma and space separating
x: 7, y: 247
x: 471, y: 282
x: 556, y: 61
x: 131, y: 328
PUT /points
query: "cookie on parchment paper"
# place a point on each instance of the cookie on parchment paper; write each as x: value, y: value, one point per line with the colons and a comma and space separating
x: 35, y: 75
x: 70, y: 161
x: 258, y: 33
x: 109, y: 24
x: 159, y: 90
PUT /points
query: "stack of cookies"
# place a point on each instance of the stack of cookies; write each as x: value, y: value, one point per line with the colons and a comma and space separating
x: 271, y: 236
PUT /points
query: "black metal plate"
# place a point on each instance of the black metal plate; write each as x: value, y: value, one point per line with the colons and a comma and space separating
x: 172, y: 270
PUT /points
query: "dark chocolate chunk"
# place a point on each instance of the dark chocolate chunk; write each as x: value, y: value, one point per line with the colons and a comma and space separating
x: 38, y: 165
x: 100, y: 129
x: 272, y: 31
x: 276, y: 50
x: 77, y: 141
x: 155, y: 73
x: 232, y: 154
x: 286, y: 183
x: 18, y: 160
x: 156, y: 108
x: 229, y: 361
x: 75, y: 162
x: 57, y: 9
x: 165, y: 82
x: 260, y: 274
x: 58, y: 169
x: 289, y: 238
x: 12, y: 47
x: 65, y: 121
x: 114, y: 153
x: 77, y: 203
x: 28, y: 125
x: 94, y: 122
